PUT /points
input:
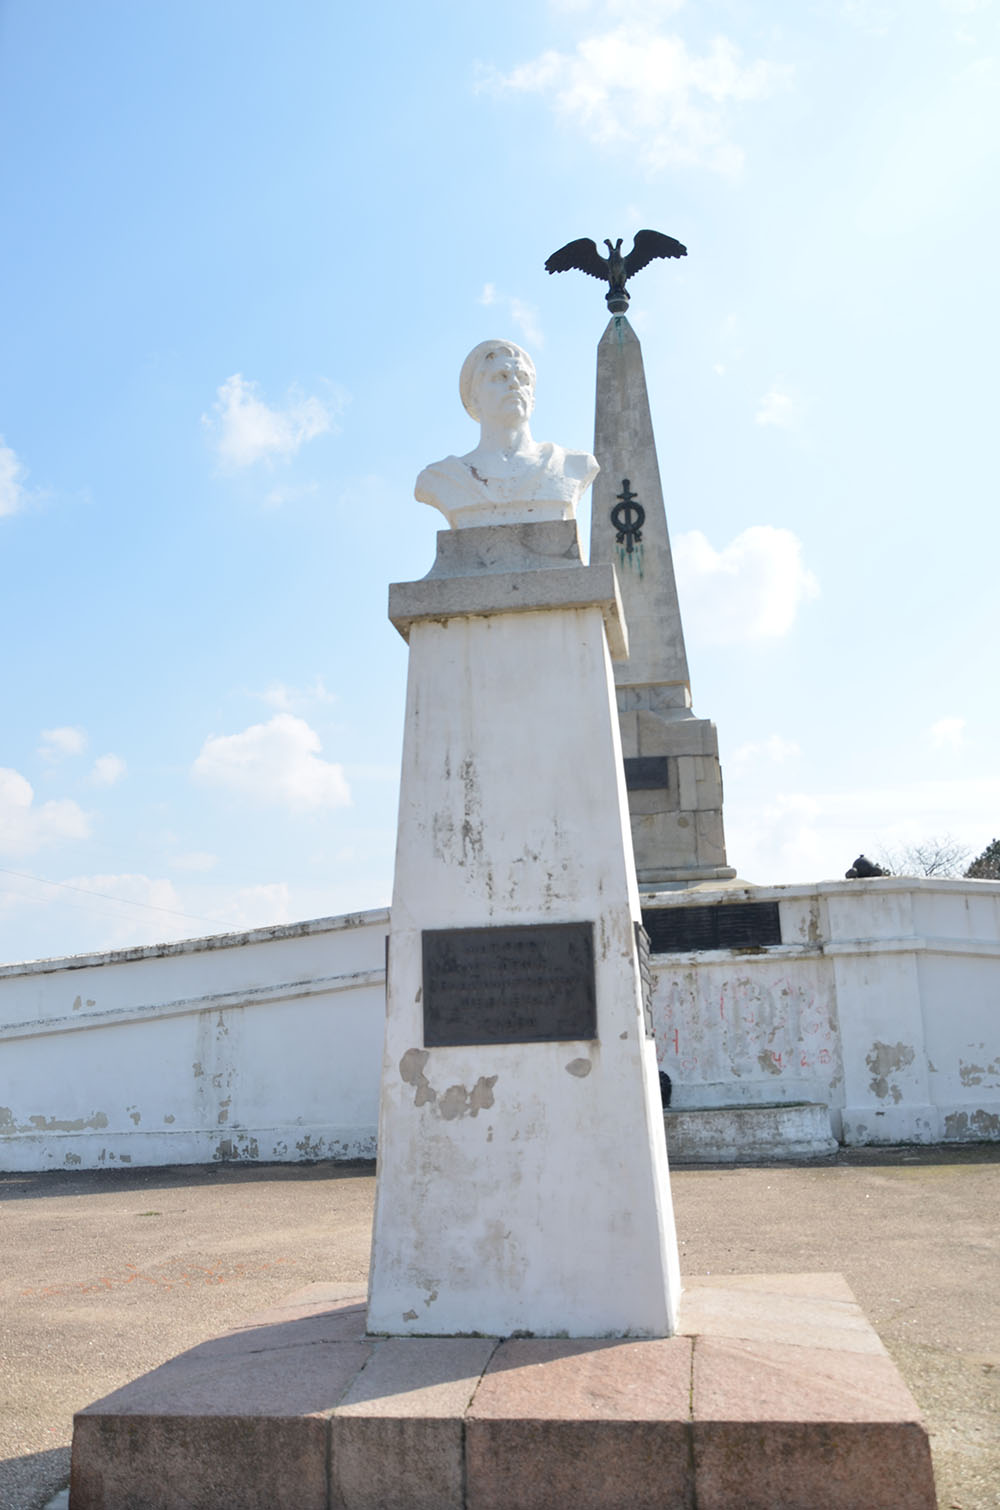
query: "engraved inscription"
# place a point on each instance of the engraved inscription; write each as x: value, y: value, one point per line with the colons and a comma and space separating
x: 532, y: 983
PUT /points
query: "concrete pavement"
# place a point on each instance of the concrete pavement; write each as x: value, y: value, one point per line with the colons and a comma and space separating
x: 105, y: 1275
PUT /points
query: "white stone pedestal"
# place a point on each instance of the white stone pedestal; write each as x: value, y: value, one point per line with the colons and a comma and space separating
x: 522, y: 1186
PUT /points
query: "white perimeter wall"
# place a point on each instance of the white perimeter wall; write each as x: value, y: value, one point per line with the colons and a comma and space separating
x: 883, y: 1002
x: 262, y: 1045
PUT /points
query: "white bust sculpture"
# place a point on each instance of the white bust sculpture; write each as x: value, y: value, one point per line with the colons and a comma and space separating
x: 509, y: 478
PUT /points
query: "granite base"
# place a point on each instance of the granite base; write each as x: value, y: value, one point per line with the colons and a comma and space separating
x: 775, y: 1394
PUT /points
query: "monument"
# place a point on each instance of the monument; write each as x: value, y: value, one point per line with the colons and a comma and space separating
x: 520, y: 1344
x: 672, y: 769
x: 522, y: 1180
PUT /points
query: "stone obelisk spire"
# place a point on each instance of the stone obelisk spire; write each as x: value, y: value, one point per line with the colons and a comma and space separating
x: 671, y: 757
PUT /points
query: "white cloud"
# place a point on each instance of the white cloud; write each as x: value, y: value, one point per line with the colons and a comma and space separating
x: 810, y: 836
x: 12, y: 472
x: 637, y: 88
x: 289, y: 699
x: 947, y: 734
x: 524, y: 316
x: 90, y: 913
x: 774, y: 748
x: 274, y: 763
x: 107, y: 770
x: 778, y: 407
x: 64, y: 741
x: 751, y: 590
x: 247, y: 430
x: 25, y: 827
x: 258, y: 906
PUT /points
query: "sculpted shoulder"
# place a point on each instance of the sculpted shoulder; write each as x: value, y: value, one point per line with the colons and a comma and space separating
x: 440, y: 479
x: 579, y: 465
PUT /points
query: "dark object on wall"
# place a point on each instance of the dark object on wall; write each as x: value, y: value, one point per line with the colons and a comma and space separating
x: 614, y: 269
x: 628, y: 517
x: 727, y: 925
x: 862, y: 869
x: 646, y: 772
x: 666, y: 1089
x: 530, y: 983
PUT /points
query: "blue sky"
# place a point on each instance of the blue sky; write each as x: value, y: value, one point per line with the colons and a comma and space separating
x: 247, y: 249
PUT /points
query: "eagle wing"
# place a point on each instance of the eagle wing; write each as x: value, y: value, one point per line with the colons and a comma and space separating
x: 646, y: 247
x: 583, y: 254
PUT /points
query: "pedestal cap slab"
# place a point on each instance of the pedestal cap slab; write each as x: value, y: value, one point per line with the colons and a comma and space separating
x: 492, y: 592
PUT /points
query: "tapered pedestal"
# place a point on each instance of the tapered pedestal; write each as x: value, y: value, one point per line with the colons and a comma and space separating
x: 522, y: 1177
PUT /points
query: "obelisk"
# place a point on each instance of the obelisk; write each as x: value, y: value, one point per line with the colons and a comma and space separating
x: 672, y: 769
x: 522, y: 1182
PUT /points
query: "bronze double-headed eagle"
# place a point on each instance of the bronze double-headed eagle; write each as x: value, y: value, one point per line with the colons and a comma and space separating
x: 614, y: 269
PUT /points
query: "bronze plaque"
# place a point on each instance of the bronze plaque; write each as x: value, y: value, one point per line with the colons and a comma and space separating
x: 532, y: 983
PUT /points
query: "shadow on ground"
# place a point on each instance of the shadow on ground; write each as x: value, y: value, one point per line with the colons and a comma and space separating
x: 29, y: 1482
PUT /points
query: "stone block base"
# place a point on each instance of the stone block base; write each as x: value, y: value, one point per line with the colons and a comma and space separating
x: 742, y: 1134
x: 775, y: 1394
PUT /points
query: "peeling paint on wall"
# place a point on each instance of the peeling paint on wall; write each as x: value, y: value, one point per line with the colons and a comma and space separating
x: 722, y: 1024
x: 411, y: 1068
x: 456, y: 1101
x: 960, y: 1127
x: 69, y: 1124
x: 883, y: 1060
x: 976, y: 1074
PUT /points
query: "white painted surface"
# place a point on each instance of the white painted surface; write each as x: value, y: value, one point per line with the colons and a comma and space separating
x: 883, y: 1002
x: 259, y: 1046
x: 520, y: 1187
x: 90, y: 1044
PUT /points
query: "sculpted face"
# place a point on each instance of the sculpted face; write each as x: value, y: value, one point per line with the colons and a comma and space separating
x: 498, y: 383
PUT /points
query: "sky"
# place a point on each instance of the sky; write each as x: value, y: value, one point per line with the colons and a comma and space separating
x: 247, y: 247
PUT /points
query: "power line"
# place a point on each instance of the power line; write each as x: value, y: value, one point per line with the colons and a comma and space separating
x: 106, y: 896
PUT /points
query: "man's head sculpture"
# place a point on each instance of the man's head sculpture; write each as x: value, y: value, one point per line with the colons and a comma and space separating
x: 509, y: 477
x: 504, y: 362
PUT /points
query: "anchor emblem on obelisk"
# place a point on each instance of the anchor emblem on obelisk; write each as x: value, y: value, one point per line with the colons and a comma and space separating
x: 628, y: 517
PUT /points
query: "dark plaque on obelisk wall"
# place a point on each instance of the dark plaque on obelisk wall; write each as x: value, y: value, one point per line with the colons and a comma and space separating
x: 533, y: 983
